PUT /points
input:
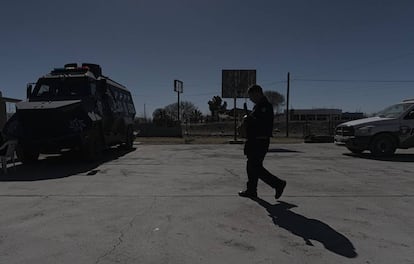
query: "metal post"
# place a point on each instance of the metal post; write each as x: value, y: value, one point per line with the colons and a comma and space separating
x: 235, y: 120
x: 287, y: 105
x: 178, y: 107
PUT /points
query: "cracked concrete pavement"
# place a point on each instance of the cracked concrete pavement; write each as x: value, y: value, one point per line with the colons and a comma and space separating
x: 179, y: 204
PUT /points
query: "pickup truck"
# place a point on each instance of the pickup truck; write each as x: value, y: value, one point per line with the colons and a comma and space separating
x: 381, y: 134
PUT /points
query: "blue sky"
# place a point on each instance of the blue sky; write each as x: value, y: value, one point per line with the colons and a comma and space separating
x: 356, y: 55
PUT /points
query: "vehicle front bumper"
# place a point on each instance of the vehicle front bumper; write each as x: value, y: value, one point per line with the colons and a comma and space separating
x: 353, y: 141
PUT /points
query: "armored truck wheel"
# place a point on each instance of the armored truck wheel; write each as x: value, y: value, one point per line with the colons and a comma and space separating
x: 27, y: 154
x: 355, y: 150
x: 129, y: 141
x: 92, y: 148
x: 383, y: 145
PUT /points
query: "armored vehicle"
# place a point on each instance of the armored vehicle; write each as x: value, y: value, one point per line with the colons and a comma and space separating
x: 74, y: 107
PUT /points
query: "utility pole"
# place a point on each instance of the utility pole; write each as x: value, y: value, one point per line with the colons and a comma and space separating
x: 178, y: 106
x: 235, y: 119
x: 287, y: 104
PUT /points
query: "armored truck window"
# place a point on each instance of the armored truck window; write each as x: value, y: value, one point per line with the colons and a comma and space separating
x: 62, y: 88
x: 129, y: 104
x: 44, y: 90
x: 109, y: 100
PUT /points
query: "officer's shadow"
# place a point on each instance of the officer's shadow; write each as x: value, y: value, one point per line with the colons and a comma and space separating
x: 308, y: 229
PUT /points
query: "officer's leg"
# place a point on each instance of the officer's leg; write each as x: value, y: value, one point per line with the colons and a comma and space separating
x: 270, y: 179
x: 273, y: 181
x: 253, y: 171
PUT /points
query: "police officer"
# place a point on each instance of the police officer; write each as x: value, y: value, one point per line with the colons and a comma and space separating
x: 259, y: 127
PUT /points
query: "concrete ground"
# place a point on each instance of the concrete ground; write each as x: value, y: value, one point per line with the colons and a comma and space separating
x: 179, y: 204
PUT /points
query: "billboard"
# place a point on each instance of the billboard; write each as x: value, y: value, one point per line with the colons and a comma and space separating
x: 235, y: 83
x: 178, y: 86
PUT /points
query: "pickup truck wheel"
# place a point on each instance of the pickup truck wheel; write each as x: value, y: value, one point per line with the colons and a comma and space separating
x: 383, y: 145
x: 26, y: 154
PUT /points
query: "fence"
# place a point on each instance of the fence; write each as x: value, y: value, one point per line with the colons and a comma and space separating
x: 296, y: 129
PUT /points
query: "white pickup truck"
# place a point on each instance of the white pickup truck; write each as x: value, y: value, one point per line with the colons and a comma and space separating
x: 382, y: 134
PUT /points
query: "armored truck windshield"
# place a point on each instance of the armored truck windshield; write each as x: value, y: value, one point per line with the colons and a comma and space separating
x: 55, y: 89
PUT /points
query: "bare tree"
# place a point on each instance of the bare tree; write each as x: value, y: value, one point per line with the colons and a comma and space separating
x: 161, y: 117
x: 168, y: 114
x: 276, y: 99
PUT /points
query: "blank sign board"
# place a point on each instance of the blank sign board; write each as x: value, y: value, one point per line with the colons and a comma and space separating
x: 236, y: 82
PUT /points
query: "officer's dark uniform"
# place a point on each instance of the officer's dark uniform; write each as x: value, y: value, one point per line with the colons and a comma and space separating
x: 259, y: 131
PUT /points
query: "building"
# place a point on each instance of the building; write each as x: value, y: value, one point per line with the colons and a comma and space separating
x: 352, y: 116
x: 318, y: 114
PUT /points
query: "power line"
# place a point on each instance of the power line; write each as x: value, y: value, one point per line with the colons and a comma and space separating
x: 363, y: 65
x: 355, y: 81
x: 203, y: 94
x: 272, y: 82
